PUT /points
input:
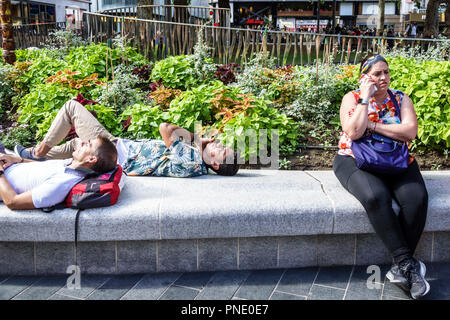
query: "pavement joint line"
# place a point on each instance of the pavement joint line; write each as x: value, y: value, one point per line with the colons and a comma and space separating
x: 64, y: 295
x: 186, y: 287
x: 167, y: 288
x: 384, y: 286
x: 139, y: 281
x: 278, y: 282
x: 32, y: 284
x: 314, y: 281
x: 349, y: 280
x: 240, y: 285
x: 98, y: 287
x: 330, y: 287
x: 290, y: 293
x: 7, y: 277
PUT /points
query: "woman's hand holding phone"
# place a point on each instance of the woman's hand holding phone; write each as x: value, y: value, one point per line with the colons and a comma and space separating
x: 367, y: 86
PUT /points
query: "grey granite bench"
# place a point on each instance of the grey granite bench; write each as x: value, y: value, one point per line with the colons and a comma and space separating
x: 257, y: 219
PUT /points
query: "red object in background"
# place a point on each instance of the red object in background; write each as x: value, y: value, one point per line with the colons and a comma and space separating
x: 252, y: 21
x: 210, y: 13
x: 216, y: 24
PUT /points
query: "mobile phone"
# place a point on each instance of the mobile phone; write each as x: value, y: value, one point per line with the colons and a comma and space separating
x: 366, y: 75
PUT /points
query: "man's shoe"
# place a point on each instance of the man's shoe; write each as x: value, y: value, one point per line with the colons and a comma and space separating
x: 396, y: 277
x: 414, y: 270
x: 23, y: 152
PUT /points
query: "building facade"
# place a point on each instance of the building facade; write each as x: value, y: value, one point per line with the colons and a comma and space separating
x: 47, y: 11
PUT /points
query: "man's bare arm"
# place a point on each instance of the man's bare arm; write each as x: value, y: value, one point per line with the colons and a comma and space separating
x: 13, y: 200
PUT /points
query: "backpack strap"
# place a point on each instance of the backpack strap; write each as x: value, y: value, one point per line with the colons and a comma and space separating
x: 395, y: 102
x: 77, y: 218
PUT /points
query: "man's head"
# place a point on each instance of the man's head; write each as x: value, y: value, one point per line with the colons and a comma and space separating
x: 98, y: 154
x: 222, y: 160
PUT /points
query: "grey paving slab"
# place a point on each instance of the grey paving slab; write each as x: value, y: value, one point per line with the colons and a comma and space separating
x: 61, y: 297
x: 392, y: 290
x: 133, y: 217
x: 243, y: 206
x: 437, y: 270
x: 441, y: 250
x: 42, y: 289
x: 259, y: 284
x: 371, y: 250
x: 325, y: 293
x: 359, y: 289
x: 54, y: 257
x: 151, y: 286
x: 258, y: 253
x: 196, y: 280
x: 17, y: 258
x: 296, y: 252
x: 36, y: 225
x: 88, y: 283
x: 136, y: 256
x: 97, y: 257
x: 439, y: 289
x: 179, y: 293
x: 15, y: 285
x: 223, y: 285
x: 298, y: 281
x: 3, y: 278
x: 336, y: 249
x: 116, y: 287
x: 177, y: 255
x: 285, y: 296
x: 393, y: 298
x: 337, y: 277
x: 217, y: 254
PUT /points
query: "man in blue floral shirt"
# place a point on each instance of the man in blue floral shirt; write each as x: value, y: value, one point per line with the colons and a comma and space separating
x: 179, y: 154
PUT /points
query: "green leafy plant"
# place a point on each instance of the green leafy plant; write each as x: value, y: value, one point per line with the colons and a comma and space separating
x: 39, y: 107
x: 144, y: 121
x: 427, y: 83
x: 16, y: 134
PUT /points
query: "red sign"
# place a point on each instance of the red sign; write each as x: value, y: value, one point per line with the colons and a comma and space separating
x: 254, y: 21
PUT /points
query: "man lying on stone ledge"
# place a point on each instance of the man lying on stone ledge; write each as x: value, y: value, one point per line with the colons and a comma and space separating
x: 28, y: 184
x: 179, y: 154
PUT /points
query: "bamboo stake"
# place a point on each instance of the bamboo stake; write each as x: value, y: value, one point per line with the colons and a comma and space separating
x: 301, y: 49
x: 295, y: 50
x: 317, y: 58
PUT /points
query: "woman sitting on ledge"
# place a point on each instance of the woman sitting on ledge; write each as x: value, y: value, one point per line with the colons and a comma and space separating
x: 371, y: 109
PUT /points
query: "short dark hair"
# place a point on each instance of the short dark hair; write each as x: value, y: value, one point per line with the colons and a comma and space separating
x: 106, y: 154
x: 227, y: 169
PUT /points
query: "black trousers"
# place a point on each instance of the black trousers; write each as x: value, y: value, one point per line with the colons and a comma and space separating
x: 400, y: 234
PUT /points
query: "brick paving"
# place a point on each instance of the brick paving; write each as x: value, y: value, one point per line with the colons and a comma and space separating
x: 317, y: 283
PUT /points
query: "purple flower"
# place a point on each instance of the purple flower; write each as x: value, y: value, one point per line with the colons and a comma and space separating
x: 14, y: 124
x: 23, y: 125
x: 1, y: 131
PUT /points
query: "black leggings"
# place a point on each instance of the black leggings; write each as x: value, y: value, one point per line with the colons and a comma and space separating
x: 375, y: 192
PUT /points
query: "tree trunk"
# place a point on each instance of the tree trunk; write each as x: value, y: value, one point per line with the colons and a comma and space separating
x: 8, y: 46
x: 380, y: 20
x: 431, y: 27
x: 146, y: 12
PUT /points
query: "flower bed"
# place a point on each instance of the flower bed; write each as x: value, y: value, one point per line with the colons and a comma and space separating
x: 134, y: 96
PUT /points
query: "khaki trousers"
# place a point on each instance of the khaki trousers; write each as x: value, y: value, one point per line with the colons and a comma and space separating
x: 87, y: 127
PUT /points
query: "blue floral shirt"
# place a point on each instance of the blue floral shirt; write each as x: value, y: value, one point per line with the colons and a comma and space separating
x: 152, y: 157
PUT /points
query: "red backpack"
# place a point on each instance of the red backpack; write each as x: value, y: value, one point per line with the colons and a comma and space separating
x: 95, y: 191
